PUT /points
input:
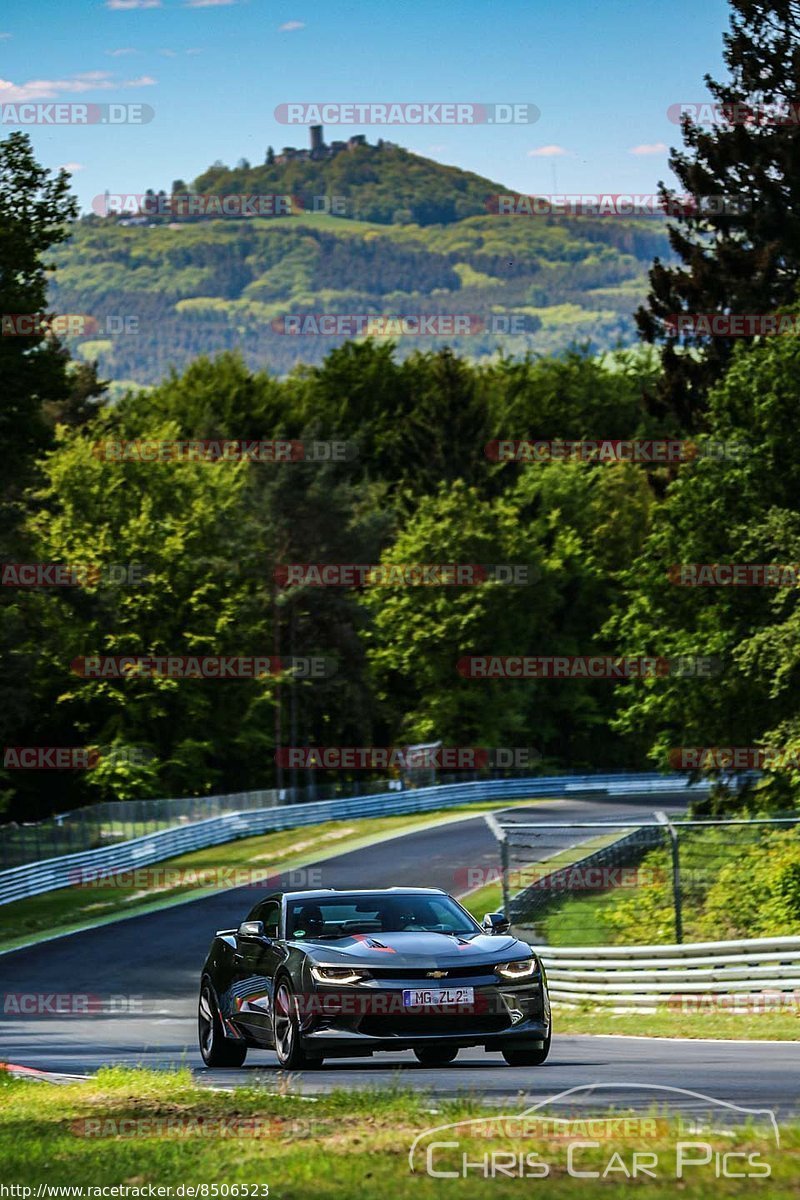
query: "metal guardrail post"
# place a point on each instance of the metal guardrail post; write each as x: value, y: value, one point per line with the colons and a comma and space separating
x: 677, y: 898
x: 502, y: 839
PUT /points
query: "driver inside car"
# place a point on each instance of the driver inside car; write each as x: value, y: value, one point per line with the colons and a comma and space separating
x: 309, y: 922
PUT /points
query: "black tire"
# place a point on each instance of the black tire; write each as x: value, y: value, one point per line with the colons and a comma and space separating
x: 288, y: 1043
x: 436, y: 1056
x: 216, y: 1049
x: 527, y: 1056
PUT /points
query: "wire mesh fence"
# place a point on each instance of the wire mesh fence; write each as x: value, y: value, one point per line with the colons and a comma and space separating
x: 660, y: 881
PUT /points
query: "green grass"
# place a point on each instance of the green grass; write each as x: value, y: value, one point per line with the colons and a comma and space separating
x: 490, y: 897
x: 287, y: 849
x: 343, y: 1144
x: 578, y: 920
x: 774, y: 1025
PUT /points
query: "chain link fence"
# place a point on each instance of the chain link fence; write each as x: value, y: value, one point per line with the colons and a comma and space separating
x: 656, y: 882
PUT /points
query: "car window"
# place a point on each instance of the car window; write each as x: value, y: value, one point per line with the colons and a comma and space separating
x: 268, y: 911
x: 348, y: 915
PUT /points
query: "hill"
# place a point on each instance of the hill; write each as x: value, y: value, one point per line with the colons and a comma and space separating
x: 415, y: 238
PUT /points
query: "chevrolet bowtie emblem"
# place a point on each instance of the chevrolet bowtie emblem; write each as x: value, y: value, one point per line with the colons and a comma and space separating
x: 436, y: 974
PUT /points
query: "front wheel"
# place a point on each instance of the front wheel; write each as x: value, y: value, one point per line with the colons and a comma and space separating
x: 288, y: 1044
x: 216, y: 1049
x: 527, y: 1056
x: 436, y: 1056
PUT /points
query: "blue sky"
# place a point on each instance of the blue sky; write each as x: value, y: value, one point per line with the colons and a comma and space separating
x: 602, y: 75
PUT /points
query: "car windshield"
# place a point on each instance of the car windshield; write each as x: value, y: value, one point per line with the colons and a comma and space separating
x: 345, y: 916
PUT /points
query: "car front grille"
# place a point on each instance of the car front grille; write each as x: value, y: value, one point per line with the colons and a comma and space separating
x: 482, y: 971
x: 408, y: 1026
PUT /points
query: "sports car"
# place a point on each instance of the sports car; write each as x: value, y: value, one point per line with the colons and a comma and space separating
x: 336, y: 974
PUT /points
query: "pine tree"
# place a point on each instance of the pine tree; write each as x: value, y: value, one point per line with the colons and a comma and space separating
x: 739, y: 249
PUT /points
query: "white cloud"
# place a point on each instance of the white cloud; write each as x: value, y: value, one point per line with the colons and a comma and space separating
x: 290, y: 26
x: 123, y: 50
x: 194, y: 50
x: 649, y: 148
x: 169, y: 53
x: 122, y: 5
x: 207, y: 3
x: 51, y: 89
x: 72, y: 167
x: 548, y: 152
x: 5, y: 36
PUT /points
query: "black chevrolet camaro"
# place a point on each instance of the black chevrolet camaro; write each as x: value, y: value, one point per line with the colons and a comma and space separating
x: 330, y: 974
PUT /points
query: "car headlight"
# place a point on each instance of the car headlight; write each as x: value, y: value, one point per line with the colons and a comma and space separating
x: 522, y: 968
x: 333, y: 975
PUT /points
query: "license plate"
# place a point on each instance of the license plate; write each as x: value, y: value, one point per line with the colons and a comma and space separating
x: 436, y: 996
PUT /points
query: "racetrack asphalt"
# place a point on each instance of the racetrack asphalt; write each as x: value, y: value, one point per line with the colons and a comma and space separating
x: 150, y: 964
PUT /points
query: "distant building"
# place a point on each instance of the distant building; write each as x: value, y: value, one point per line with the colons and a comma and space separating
x: 318, y: 148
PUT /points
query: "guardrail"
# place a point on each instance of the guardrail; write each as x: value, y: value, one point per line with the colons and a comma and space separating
x: 47, y: 875
x: 758, y: 972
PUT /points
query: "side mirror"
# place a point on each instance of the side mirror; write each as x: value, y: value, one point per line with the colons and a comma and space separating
x: 253, y: 931
x: 496, y: 923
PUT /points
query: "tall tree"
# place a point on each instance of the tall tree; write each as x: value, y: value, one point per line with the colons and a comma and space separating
x: 740, y: 249
x: 41, y: 388
x: 34, y: 211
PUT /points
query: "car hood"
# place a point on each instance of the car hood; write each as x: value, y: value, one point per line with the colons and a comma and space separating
x: 418, y: 949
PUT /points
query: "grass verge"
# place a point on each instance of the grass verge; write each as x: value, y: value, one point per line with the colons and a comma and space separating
x: 771, y: 1025
x: 140, y: 1128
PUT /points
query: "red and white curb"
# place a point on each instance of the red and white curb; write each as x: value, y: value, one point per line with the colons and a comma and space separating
x: 20, y: 1072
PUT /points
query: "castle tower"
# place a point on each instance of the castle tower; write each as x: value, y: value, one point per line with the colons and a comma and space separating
x: 317, y: 143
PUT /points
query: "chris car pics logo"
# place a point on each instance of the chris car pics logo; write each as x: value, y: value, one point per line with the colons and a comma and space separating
x: 693, y: 1144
